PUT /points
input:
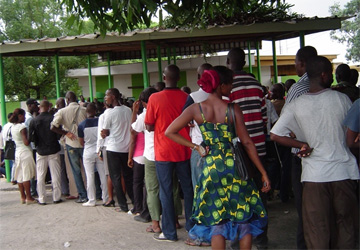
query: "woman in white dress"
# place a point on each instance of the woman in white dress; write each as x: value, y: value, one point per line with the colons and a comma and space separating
x: 24, y: 161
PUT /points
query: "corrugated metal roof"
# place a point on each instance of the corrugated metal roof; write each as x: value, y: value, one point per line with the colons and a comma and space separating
x: 185, y: 41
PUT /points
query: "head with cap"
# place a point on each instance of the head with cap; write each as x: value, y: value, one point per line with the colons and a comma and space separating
x: 32, y: 105
x: 215, y: 79
x: 236, y: 59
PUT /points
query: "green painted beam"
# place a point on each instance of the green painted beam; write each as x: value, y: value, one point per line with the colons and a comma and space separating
x: 258, y: 60
x: 110, y: 84
x: 2, y: 92
x: 174, y: 55
x: 249, y: 57
x: 3, y: 112
x: 168, y: 54
x: 302, y: 39
x: 144, y: 64
x: 90, y: 79
x: 57, y: 76
x: 274, y: 61
x: 159, y: 63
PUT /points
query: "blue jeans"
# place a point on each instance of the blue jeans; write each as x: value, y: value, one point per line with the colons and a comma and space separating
x: 75, y: 154
x: 197, y: 163
x: 164, y: 172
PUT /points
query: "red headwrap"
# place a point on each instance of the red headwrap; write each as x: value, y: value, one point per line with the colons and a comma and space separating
x: 209, y: 81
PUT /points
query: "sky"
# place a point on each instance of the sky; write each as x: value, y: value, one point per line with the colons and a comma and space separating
x: 321, y: 41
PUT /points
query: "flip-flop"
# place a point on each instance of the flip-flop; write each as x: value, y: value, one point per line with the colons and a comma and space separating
x: 196, y: 243
x: 150, y: 229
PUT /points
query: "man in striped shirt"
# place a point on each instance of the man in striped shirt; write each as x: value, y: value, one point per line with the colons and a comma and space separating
x: 248, y: 94
x: 296, y: 90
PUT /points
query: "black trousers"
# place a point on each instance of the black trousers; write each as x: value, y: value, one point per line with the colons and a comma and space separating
x: 117, y: 163
x: 297, y: 189
x: 140, y: 204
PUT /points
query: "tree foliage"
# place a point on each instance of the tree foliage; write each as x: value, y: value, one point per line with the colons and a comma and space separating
x: 350, y: 28
x: 35, y: 76
x: 125, y: 15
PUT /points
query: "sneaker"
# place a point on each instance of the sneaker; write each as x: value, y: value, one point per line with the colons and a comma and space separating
x: 141, y: 219
x: 57, y: 202
x: 80, y: 200
x: 88, y: 204
x: 161, y: 237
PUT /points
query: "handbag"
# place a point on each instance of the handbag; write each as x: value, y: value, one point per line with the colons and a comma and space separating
x: 10, y: 146
x: 242, y: 162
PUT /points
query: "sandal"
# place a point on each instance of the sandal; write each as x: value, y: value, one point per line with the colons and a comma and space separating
x: 150, y: 229
x: 197, y: 243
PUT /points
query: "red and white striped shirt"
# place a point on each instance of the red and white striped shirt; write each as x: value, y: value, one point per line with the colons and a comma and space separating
x: 248, y: 94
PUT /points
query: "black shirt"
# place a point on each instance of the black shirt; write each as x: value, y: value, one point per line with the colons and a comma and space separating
x: 46, y: 141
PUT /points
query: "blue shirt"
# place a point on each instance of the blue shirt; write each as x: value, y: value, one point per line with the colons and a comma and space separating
x: 352, y: 120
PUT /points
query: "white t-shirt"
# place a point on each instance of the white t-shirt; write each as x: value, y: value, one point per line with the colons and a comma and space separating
x: 100, y: 141
x: 17, y: 138
x: 316, y: 118
x: 117, y: 120
x: 139, y: 126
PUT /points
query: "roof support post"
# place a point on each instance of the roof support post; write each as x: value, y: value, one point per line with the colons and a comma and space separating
x: 2, y: 92
x: 302, y: 39
x: 3, y: 112
x: 174, y: 54
x: 159, y: 62
x: 249, y: 58
x: 57, y: 76
x: 168, y: 54
x: 258, y: 60
x: 110, y: 84
x: 90, y: 79
x: 274, y: 61
x: 144, y: 64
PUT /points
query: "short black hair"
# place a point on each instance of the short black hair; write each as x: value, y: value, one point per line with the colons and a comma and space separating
x: 343, y: 72
x: 225, y: 74
x: 115, y: 92
x: 318, y: 65
x: 305, y: 53
x: 146, y: 93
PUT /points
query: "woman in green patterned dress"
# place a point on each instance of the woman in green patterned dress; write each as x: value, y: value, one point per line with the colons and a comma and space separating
x: 225, y: 207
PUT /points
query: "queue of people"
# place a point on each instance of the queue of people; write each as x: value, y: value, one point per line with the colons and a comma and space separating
x: 170, y: 143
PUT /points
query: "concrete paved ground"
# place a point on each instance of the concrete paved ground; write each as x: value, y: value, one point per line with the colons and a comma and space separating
x: 53, y: 225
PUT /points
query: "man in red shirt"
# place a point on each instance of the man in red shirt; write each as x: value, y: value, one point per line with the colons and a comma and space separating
x: 164, y: 107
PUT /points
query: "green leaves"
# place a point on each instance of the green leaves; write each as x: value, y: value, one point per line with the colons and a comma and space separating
x: 125, y: 15
x: 350, y: 28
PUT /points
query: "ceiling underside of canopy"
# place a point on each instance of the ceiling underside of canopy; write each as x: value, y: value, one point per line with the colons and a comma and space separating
x: 182, y: 42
